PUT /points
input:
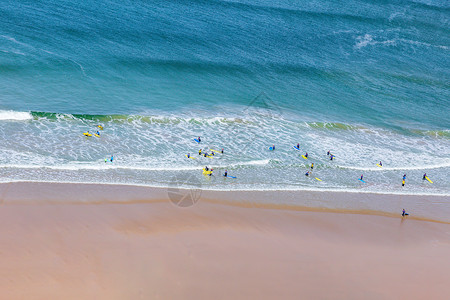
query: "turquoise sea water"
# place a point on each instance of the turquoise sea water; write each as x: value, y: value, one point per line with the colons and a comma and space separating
x: 367, y: 80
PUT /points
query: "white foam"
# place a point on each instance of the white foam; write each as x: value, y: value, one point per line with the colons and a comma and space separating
x: 15, y: 115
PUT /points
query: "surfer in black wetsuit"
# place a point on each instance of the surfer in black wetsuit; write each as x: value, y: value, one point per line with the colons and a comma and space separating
x: 331, y: 157
x: 307, y: 173
x: 206, y: 168
x: 424, y: 176
x: 222, y: 151
x: 361, y: 177
x: 306, y: 154
x: 199, y: 139
x: 404, y: 213
x: 380, y: 163
x: 226, y: 173
x: 328, y: 153
x: 189, y: 155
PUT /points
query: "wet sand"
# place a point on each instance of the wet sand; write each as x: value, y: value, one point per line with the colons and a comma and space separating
x: 152, y: 249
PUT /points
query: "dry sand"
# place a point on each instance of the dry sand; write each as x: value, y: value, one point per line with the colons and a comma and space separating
x: 215, y: 251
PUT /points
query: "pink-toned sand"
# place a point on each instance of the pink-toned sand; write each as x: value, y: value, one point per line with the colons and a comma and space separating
x: 215, y: 251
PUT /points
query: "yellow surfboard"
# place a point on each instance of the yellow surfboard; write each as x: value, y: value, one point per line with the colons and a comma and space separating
x: 304, y: 157
x: 190, y: 157
x: 206, y: 172
x: 379, y: 165
x: 87, y: 134
x: 100, y: 126
x: 215, y: 151
x: 318, y: 179
x: 426, y: 177
x: 96, y: 135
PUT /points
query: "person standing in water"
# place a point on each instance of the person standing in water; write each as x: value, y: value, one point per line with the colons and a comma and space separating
x: 226, y: 173
x: 424, y: 176
x: 404, y: 213
x: 312, y: 166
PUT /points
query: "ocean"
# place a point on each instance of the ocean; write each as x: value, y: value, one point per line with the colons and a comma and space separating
x: 368, y: 81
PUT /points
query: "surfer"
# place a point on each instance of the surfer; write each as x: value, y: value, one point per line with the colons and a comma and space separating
x: 361, y: 177
x: 380, y: 163
x: 331, y: 157
x: 307, y: 173
x: 106, y: 160
x: 205, y: 155
x: 404, y: 176
x: 328, y: 153
x: 312, y: 166
x: 189, y: 155
x: 404, y: 213
x: 273, y: 147
x: 226, y: 173
x: 424, y: 176
x: 298, y: 146
x: 98, y: 132
x: 200, y: 152
x: 112, y: 158
x: 206, y: 168
x: 306, y: 154
x: 199, y: 139
x: 221, y: 151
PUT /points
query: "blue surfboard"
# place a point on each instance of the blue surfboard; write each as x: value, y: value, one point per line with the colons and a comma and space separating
x: 197, y: 140
x: 295, y: 147
x: 271, y: 148
x: 229, y: 176
x: 361, y: 180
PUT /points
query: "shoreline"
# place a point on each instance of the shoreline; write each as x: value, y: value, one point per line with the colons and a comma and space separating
x: 430, y: 208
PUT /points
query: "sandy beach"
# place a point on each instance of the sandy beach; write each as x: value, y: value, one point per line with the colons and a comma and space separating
x: 152, y: 249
